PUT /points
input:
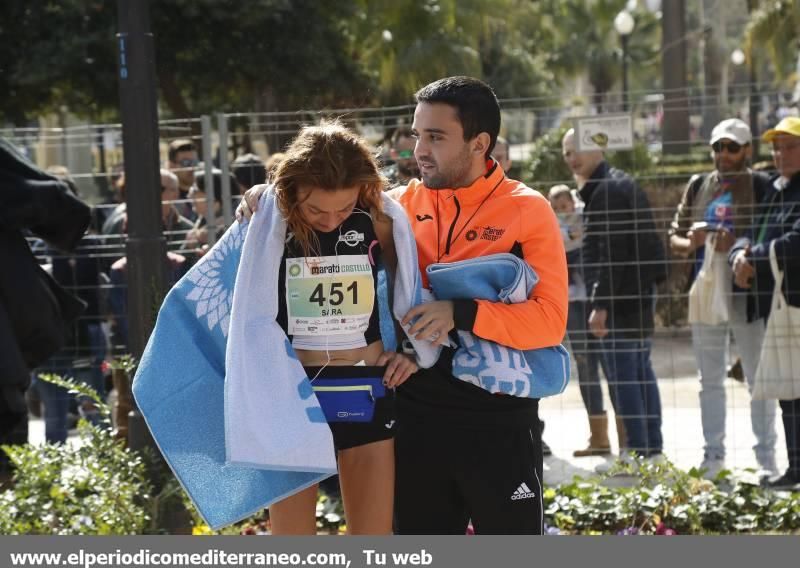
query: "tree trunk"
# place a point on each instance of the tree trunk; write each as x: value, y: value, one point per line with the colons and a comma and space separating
x: 675, y: 129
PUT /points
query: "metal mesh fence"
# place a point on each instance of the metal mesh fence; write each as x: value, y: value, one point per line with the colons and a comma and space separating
x: 96, y: 270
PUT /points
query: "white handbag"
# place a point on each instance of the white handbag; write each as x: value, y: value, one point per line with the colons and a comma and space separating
x: 710, y: 294
x: 778, y: 373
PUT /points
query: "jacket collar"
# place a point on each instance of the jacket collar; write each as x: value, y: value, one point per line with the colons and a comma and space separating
x: 600, y: 173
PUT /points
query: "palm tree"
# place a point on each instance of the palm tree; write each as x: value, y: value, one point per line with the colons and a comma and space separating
x: 588, y: 42
x: 776, y: 26
x: 408, y: 43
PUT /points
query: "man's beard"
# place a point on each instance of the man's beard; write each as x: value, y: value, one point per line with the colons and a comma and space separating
x: 454, y: 177
x: 737, y: 167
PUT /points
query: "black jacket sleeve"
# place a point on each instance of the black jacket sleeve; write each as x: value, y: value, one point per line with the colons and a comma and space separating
x: 33, y: 200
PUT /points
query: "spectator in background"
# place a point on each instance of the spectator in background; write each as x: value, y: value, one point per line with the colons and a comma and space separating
x: 502, y: 153
x: 177, y: 265
x: 723, y: 201
x: 248, y: 170
x: 404, y: 167
x: 82, y: 358
x: 176, y: 227
x: 34, y: 309
x: 778, y: 221
x: 199, y: 196
x: 624, y: 261
x: 182, y: 160
x: 587, y: 354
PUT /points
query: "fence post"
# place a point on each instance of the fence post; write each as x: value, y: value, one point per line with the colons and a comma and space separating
x: 208, y: 169
x: 222, y: 132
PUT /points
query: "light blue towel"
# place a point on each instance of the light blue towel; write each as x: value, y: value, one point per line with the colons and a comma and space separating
x: 273, y: 441
x: 535, y: 373
x: 179, y: 389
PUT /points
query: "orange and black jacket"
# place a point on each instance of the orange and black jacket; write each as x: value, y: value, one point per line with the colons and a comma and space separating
x: 493, y: 215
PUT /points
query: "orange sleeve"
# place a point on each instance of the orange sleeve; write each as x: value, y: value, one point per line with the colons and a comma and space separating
x: 542, y: 320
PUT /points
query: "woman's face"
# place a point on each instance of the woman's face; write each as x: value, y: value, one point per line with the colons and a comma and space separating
x: 323, y: 209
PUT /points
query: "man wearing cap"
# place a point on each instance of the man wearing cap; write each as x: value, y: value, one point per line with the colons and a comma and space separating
x: 776, y: 221
x: 716, y: 209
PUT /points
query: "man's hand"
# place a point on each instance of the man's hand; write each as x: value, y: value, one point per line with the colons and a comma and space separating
x: 697, y: 238
x: 398, y: 368
x: 597, y: 323
x: 743, y: 271
x: 680, y: 246
x: 249, y: 203
x: 435, y: 321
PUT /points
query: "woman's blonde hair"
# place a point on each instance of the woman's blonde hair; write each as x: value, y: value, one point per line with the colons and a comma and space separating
x: 328, y: 157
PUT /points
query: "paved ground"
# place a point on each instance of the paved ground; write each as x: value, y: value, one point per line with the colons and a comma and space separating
x: 567, y: 428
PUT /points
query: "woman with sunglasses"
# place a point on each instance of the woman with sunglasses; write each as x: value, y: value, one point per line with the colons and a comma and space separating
x: 722, y: 205
x: 328, y: 188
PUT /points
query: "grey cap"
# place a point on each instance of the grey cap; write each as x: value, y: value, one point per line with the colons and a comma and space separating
x: 732, y: 129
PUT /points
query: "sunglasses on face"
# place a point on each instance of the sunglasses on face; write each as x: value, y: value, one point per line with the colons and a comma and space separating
x: 731, y: 147
x: 405, y: 154
x: 187, y: 163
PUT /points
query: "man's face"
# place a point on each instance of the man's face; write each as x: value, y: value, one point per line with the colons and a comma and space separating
x: 730, y: 156
x: 444, y: 158
x: 184, y: 166
x: 403, y: 155
x: 582, y: 164
x: 500, y: 154
x: 786, y: 154
x: 169, y: 193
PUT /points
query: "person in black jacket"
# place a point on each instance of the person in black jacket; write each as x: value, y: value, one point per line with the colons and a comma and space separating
x: 624, y: 260
x: 778, y: 222
x: 34, y: 310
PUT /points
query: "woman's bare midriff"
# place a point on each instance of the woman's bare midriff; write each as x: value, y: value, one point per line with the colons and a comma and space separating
x: 343, y: 358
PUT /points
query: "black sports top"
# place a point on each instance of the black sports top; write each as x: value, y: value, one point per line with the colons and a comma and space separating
x: 328, y: 301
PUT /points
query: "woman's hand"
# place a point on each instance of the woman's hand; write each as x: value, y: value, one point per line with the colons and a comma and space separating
x: 436, y: 319
x: 398, y: 368
x: 249, y: 203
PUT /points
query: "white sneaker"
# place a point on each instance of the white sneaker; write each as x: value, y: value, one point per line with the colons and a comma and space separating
x: 712, y: 467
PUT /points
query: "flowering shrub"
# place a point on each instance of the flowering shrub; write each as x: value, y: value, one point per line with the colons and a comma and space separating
x: 666, y: 501
x: 92, y: 486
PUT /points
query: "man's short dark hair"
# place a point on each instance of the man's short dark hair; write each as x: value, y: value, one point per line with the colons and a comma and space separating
x: 249, y: 170
x: 180, y: 145
x: 474, y: 101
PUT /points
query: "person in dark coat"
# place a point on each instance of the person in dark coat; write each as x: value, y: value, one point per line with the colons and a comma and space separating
x: 34, y: 310
x: 624, y: 260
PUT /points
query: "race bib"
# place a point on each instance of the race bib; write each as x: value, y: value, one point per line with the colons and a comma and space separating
x: 329, y: 295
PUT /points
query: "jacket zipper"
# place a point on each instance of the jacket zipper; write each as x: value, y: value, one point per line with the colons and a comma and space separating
x: 452, y: 226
